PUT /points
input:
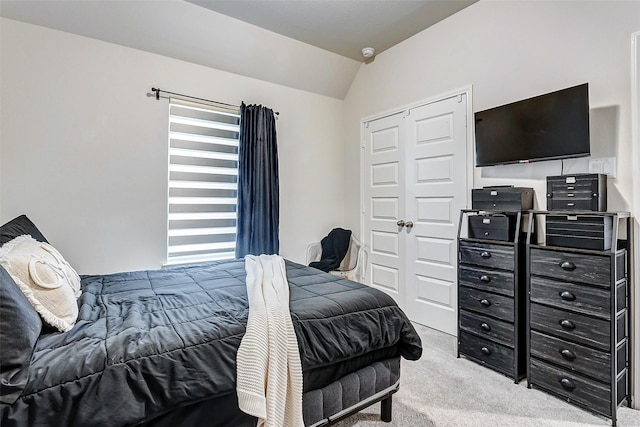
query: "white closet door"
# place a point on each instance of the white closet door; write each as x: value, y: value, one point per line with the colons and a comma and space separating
x: 436, y: 190
x: 414, y: 170
x: 383, y: 203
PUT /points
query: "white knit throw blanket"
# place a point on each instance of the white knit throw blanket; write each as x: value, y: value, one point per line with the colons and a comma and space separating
x: 269, y: 383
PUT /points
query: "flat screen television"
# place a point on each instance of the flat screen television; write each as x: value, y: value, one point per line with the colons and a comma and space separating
x: 545, y: 127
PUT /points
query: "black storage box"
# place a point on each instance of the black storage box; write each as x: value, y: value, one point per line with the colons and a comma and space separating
x: 579, y: 231
x: 585, y: 192
x: 492, y: 227
x: 502, y: 198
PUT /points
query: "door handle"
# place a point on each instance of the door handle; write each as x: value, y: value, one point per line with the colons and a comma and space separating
x: 400, y: 223
x: 408, y: 224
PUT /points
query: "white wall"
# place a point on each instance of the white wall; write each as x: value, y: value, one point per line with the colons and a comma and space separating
x: 84, y: 150
x: 510, y: 50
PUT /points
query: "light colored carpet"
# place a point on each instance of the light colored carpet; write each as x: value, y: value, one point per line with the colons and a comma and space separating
x: 441, y: 390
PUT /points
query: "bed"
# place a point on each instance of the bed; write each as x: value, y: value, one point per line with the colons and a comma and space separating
x: 158, y: 348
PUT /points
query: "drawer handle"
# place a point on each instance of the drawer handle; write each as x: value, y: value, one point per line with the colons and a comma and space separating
x: 567, y: 265
x: 485, y: 327
x: 484, y: 278
x: 567, y: 324
x: 567, y: 296
x: 485, y: 254
x: 568, y: 354
x: 571, y: 204
x: 570, y: 188
x: 485, y: 302
x: 486, y: 351
x: 570, y: 195
x: 486, y: 233
x: 567, y: 384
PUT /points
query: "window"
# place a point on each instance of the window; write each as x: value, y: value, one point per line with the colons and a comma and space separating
x: 203, y: 182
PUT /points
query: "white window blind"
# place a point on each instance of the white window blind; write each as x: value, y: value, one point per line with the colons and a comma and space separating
x: 203, y: 182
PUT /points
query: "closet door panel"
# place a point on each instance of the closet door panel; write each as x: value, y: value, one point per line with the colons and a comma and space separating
x: 436, y: 190
x: 383, y: 207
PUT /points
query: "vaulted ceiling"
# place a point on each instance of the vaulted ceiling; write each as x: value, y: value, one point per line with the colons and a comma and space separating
x: 344, y: 27
x: 305, y: 44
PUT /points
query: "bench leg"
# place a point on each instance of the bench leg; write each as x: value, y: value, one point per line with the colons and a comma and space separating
x: 385, y: 409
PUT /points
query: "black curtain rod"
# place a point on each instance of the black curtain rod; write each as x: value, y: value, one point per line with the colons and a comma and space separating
x: 157, y: 90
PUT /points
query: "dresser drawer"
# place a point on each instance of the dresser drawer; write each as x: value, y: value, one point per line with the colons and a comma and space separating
x: 621, y: 384
x: 621, y: 356
x: 592, y: 269
x: 578, y: 203
x: 487, y: 327
x: 574, y: 357
x: 621, y: 326
x: 486, y: 303
x: 572, y: 326
x: 492, y: 227
x: 621, y: 295
x: 569, y: 296
x: 488, y: 352
x: 487, y: 255
x: 571, y: 386
x: 486, y: 279
x: 621, y: 265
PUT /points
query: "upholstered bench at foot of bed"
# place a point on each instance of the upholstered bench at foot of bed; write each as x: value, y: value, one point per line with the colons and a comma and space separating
x: 352, y: 393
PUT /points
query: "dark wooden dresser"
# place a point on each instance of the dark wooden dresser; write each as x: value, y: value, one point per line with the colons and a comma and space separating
x: 578, y: 337
x: 491, y: 291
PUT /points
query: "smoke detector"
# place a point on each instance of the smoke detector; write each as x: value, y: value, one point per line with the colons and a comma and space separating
x: 368, y: 52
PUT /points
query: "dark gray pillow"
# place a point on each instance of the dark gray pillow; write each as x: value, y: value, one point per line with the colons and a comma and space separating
x: 17, y: 227
x: 20, y: 326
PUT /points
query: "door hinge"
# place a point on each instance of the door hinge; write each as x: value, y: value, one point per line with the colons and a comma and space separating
x: 460, y: 98
x: 406, y: 114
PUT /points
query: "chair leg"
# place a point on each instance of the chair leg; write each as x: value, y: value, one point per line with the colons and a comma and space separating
x: 385, y: 409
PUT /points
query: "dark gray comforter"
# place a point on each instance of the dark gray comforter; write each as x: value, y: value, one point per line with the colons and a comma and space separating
x: 152, y: 341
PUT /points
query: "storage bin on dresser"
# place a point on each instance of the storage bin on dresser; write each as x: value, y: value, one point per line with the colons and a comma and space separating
x: 585, y: 192
x: 491, y: 292
x: 579, y: 231
x: 578, y: 340
x: 502, y: 198
x: 492, y: 226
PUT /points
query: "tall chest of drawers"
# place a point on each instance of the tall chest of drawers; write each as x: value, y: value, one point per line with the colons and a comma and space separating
x: 491, y: 298
x: 578, y: 341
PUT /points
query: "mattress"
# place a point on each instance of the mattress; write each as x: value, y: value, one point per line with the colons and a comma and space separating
x: 151, y: 342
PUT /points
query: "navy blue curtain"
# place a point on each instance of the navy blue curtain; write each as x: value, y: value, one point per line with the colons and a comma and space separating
x: 258, y: 185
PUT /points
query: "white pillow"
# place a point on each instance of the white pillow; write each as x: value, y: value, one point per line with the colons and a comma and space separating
x: 50, y: 284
